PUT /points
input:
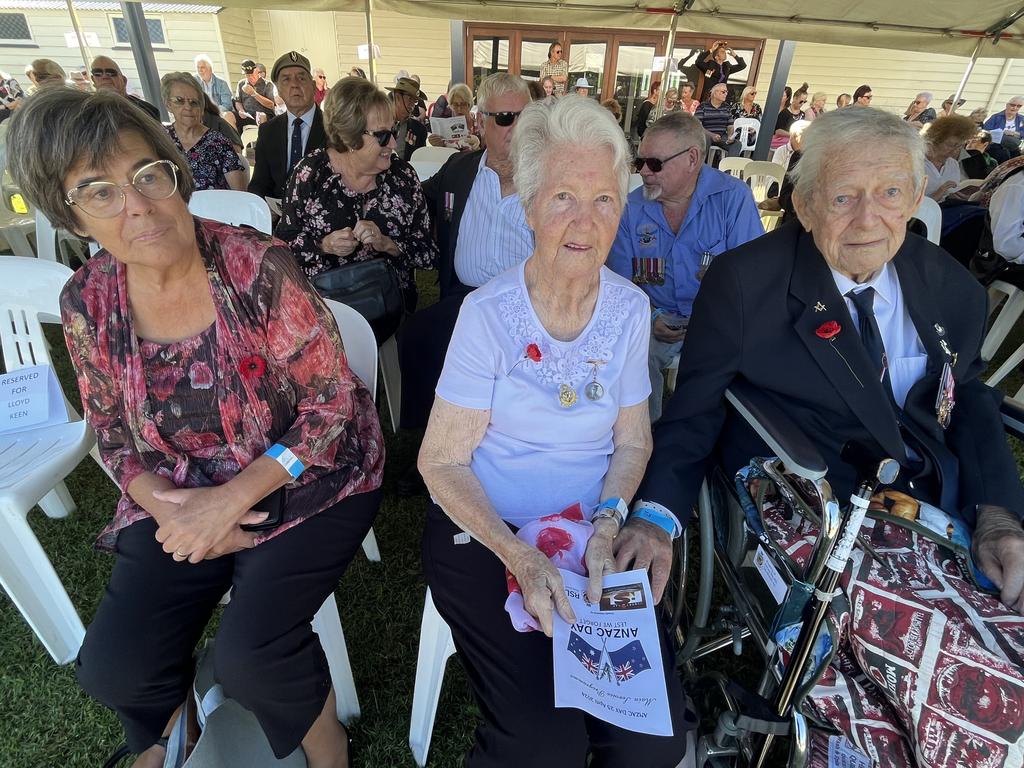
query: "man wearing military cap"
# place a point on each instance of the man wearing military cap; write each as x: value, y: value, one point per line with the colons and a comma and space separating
x: 412, y: 134
x: 286, y: 139
x: 254, y: 96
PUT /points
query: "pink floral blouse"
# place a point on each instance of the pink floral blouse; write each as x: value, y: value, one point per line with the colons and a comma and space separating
x: 276, y: 372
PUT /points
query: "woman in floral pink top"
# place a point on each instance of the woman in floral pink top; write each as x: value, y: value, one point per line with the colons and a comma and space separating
x: 213, y: 376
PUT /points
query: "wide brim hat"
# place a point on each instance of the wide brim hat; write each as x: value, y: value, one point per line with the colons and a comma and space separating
x: 290, y: 59
x: 408, y: 87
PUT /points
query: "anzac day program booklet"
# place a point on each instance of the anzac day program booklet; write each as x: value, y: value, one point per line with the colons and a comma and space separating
x: 609, y: 662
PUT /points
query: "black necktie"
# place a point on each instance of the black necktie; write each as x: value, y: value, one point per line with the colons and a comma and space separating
x: 870, y: 336
x: 296, y: 153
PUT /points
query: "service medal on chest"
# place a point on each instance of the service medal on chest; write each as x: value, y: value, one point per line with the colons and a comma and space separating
x: 566, y: 396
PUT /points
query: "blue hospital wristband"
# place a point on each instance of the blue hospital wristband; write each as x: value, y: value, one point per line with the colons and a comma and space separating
x: 659, y: 516
x: 284, y: 456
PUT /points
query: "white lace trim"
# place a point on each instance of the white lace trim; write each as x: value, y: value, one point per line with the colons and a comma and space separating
x: 567, y: 364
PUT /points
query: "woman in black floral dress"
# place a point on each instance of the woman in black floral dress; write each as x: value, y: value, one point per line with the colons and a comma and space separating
x: 354, y: 200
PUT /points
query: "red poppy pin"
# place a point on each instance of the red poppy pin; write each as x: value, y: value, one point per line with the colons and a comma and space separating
x: 252, y: 367
x: 828, y: 330
x: 532, y: 353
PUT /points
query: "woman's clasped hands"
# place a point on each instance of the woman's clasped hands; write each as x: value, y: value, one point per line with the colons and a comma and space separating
x: 342, y: 242
x: 205, y: 524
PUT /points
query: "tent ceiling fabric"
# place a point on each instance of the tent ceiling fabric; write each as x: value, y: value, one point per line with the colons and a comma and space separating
x: 940, y: 26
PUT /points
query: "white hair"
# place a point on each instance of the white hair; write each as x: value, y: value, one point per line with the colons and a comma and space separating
x: 926, y: 96
x: 202, y: 57
x: 571, y: 124
x: 833, y: 133
x: 500, y: 84
x: 460, y: 89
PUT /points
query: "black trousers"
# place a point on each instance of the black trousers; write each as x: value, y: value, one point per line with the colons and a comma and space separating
x: 137, y: 654
x: 510, y: 673
x: 422, y: 345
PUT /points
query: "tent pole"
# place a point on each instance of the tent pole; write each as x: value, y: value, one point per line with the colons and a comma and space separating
x: 780, y: 73
x: 83, y: 46
x: 967, y: 72
x: 1000, y: 82
x: 142, y: 52
x: 371, y: 68
x: 669, y: 47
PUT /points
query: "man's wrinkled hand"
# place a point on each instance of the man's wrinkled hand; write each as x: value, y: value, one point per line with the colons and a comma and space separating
x: 641, y: 544
x: 998, y: 550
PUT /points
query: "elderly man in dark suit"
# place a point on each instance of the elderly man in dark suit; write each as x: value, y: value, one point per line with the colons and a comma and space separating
x: 481, y: 231
x: 287, y: 138
x: 851, y: 326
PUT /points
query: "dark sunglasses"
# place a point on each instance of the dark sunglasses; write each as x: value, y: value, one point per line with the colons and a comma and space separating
x: 504, y: 119
x: 383, y: 136
x: 108, y: 72
x: 654, y: 163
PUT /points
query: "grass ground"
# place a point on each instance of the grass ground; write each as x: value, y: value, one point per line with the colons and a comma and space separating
x: 47, y: 722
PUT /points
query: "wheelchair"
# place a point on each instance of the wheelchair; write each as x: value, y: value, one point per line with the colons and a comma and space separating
x: 751, y: 729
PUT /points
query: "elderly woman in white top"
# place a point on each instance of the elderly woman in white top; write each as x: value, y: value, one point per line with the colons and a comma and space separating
x: 944, y: 140
x: 542, y: 404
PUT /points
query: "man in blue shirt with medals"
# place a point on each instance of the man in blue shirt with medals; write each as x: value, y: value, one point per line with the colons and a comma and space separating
x: 684, y: 215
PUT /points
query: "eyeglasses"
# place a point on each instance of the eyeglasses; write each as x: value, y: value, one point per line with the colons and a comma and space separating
x: 105, y: 72
x: 105, y: 200
x: 321, y: 77
x: 179, y: 101
x: 383, y: 136
x: 504, y: 119
x: 654, y: 163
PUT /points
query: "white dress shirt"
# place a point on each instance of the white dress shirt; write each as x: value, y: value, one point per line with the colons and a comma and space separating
x: 307, y: 124
x: 903, y: 348
x: 493, y: 234
x: 1007, y: 211
x: 950, y: 171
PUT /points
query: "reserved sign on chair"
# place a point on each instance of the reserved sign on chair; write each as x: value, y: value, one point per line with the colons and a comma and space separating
x: 30, y: 397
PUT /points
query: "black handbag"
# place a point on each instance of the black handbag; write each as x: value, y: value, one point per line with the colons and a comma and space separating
x: 371, y: 288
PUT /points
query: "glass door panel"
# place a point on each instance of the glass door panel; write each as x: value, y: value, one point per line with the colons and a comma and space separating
x: 587, y: 60
x: 533, y: 52
x: 633, y: 72
x: 490, y: 55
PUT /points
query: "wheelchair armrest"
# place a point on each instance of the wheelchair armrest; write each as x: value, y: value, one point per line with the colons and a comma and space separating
x: 1012, y: 412
x: 773, y: 426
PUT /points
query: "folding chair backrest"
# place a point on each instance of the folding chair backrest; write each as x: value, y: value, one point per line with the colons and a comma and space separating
x: 434, y: 154
x: 426, y: 168
x: 930, y: 214
x: 360, y: 343
x: 29, y: 295
x: 734, y: 166
x: 760, y: 176
x: 232, y: 207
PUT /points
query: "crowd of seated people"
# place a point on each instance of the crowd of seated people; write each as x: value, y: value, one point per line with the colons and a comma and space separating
x: 215, y: 378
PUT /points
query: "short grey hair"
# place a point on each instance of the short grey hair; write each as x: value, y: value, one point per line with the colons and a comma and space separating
x: 833, y: 133
x: 180, y: 78
x: 202, y: 57
x: 58, y: 129
x: 926, y: 95
x: 460, y: 89
x: 572, y: 123
x: 684, y: 126
x: 500, y: 84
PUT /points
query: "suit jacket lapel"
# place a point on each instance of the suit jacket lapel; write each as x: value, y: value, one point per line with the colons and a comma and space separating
x: 842, y: 358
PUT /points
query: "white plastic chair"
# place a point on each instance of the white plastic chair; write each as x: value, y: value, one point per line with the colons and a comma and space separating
x: 361, y: 351
x: 734, y: 166
x: 1007, y: 317
x: 232, y: 207
x: 436, y: 647
x: 635, y: 180
x: 15, y: 229
x: 433, y: 154
x: 425, y: 168
x: 760, y: 176
x: 712, y: 151
x: 747, y: 128
x: 249, y: 135
x: 770, y: 219
x: 30, y: 461
x: 930, y: 214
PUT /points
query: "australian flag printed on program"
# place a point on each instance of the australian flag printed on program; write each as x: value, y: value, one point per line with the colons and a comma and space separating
x: 629, y: 661
x: 588, y: 655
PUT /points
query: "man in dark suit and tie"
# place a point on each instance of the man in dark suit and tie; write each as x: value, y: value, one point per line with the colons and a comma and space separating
x: 851, y: 326
x: 286, y: 139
